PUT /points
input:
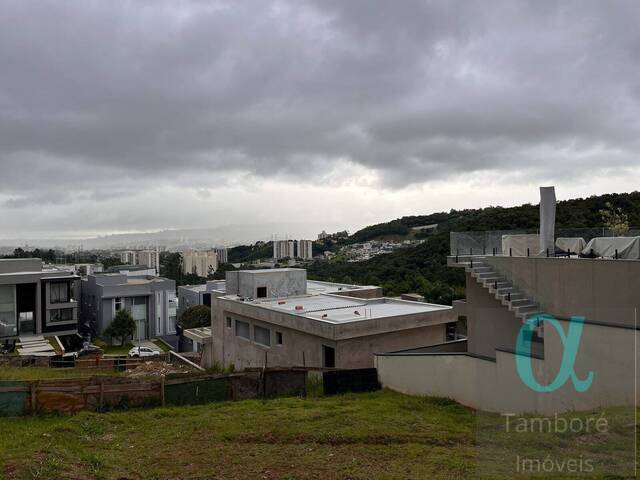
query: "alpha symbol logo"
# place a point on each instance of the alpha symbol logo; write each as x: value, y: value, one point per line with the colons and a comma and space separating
x: 570, y: 342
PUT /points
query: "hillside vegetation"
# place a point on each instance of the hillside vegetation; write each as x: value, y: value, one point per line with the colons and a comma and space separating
x: 423, y: 269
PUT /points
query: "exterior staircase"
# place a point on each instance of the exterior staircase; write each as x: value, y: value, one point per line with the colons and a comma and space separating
x: 497, y: 285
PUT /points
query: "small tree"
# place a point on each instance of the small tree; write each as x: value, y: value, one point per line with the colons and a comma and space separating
x: 196, y: 317
x: 615, y: 220
x: 123, y: 326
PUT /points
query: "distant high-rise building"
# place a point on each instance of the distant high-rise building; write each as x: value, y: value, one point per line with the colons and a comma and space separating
x: 305, y: 249
x: 149, y: 258
x: 223, y: 255
x: 199, y: 263
x: 128, y: 257
x: 283, y: 249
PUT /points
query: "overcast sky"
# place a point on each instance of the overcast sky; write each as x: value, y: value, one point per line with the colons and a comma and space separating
x: 123, y: 116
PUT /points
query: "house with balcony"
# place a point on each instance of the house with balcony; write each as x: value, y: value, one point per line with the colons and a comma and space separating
x: 151, y: 300
x: 36, y: 301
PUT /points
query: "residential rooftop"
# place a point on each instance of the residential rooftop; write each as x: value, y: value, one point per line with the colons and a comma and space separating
x: 338, y: 309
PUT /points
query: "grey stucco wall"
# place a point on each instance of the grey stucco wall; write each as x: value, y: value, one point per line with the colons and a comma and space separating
x: 279, y: 282
x: 602, y: 290
x: 490, y: 325
x: 496, y: 386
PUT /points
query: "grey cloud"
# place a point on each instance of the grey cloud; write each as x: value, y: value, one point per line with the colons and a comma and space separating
x: 95, y: 96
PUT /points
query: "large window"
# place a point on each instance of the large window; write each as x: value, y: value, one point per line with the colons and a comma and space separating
x: 262, y: 335
x: 139, y: 308
x: 59, y: 292
x: 173, y: 314
x: 117, y: 303
x: 61, y: 315
x: 8, y: 323
x: 242, y: 329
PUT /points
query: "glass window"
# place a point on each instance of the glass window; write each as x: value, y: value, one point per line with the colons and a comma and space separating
x: 278, y: 338
x: 61, y: 315
x: 242, y: 329
x: 118, y: 303
x: 228, y: 322
x: 139, y: 308
x: 262, y: 335
x: 261, y: 292
x: 59, y: 292
x: 8, y: 322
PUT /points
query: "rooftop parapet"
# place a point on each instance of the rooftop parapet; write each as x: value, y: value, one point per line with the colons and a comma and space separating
x: 594, y: 242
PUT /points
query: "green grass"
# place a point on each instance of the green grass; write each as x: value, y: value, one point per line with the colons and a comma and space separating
x: 113, y: 349
x: 46, y: 373
x: 357, y: 436
x: 161, y: 345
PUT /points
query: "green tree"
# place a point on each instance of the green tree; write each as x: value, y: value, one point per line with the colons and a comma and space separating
x: 123, y: 326
x: 196, y: 317
x: 614, y: 219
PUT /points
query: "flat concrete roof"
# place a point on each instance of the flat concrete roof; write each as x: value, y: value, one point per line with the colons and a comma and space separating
x: 314, y: 287
x: 338, y: 309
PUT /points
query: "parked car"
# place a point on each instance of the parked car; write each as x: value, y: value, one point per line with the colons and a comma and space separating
x: 143, y: 352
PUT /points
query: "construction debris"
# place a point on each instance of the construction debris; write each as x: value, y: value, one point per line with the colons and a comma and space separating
x: 155, y: 368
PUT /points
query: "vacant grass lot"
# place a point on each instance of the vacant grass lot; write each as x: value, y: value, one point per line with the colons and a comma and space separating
x: 364, y: 436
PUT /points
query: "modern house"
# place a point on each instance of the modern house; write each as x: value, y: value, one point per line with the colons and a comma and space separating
x: 546, y: 333
x: 151, y: 300
x: 36, y: 300
x: 278, y: 317
x: 192, y: 295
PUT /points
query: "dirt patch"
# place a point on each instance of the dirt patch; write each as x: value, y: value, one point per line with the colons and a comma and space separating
x: 157, y: 369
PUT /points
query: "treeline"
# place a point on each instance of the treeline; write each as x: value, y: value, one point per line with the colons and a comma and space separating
x: 575, y: 213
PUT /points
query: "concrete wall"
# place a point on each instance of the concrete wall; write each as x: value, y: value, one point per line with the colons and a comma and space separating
x: 283, y: 282
x: 602, y: 290
x: 490, y: 325
x: 495, y: 386
x: 359, y: 352
x: 365, y: 293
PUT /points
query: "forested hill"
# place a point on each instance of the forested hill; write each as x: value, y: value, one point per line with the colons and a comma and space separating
x: 423, y: 269
x: 576, y: 213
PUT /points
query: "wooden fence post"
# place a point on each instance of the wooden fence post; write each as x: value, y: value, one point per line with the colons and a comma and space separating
x: 162, y: 400
x: 102, y: 394
x: 33, y: 397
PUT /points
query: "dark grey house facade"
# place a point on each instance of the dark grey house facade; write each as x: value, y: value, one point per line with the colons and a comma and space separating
x: 36, y: 300
x: 151, y: 301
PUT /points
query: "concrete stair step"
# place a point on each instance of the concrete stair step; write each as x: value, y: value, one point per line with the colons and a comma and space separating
x: 521, y: 301
x: 524, y: 309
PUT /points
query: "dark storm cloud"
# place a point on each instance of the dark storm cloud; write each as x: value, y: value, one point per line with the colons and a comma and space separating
x: 97, y: 94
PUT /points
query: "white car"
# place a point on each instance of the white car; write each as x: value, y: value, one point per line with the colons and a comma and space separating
x: 143, y: 352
